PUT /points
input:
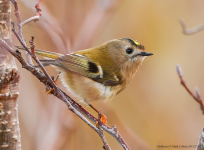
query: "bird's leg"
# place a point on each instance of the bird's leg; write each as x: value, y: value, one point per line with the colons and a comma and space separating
x: 103, y: 117
x: 51, y: 89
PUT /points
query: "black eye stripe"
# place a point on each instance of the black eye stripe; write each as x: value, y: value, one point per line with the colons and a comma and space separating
x: 129, y: 50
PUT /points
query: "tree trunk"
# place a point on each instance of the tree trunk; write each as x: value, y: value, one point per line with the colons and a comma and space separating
x: 9, y: 86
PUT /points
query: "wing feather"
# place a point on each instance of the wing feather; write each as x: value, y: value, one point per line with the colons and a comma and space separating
x: 77, y: 63
x: 84, y: 66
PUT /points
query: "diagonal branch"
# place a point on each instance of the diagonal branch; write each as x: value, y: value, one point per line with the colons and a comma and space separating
x: 46, y: 79
x: 195, y: 96
x: 51, y: 82
x: 72, y: 105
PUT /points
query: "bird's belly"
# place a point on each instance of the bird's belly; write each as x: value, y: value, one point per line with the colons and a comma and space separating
x: 85, y: 89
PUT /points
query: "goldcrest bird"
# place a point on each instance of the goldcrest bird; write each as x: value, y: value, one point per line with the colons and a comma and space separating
x: 98, y: 73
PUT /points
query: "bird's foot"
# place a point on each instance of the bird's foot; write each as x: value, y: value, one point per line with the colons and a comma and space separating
x: 48, y: 90
x: 101, y: 117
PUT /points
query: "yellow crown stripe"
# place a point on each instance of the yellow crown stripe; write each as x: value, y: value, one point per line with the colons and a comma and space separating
x: 136, y: 42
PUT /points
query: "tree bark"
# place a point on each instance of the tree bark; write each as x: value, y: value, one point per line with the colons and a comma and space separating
x: 9, y: 86
x: 200, y: 145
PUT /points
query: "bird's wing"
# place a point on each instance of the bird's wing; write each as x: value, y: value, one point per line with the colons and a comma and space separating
x: 80, y: 64
x: 84, y: 66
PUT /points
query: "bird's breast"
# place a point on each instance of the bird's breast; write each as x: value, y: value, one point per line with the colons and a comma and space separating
x: 85, y: 89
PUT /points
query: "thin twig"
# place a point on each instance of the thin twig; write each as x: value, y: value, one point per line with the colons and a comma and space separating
x: 19, y: 28
x: 197, y: 96
x: 20, y: 23
x: 105, y: 146
x: 38, y: 10
x: 192, y: 30
x: 34, y: 18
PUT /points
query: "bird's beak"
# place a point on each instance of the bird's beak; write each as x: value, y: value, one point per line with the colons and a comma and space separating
x: 145, y: 54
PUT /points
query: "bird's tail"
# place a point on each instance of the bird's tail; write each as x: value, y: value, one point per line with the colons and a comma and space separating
x: 47, y: 54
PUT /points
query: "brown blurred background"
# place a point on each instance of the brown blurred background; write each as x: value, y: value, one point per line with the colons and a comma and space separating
x: 154, y: 110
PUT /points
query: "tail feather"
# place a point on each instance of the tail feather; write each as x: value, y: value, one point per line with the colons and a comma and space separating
x: 47, y: 62
x: 46, y: 54
x: 44, y: 64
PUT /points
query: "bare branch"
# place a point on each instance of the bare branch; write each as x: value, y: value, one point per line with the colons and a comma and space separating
x: 47, y: 80
x: 192, y: 30
x: 44, y: 79
x: 197, y: 93
x: 75, y: 107
x: 51, y: 82
x: 179, y: 70
x: 34, y: 18
x: 19, y: 28
x: 20, y: 23
x: 196, y: 96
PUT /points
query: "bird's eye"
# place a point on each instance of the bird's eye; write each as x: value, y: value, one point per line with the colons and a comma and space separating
x: 129, y: 51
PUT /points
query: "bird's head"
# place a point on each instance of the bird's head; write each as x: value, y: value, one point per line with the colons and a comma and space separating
x: 128, y: 54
